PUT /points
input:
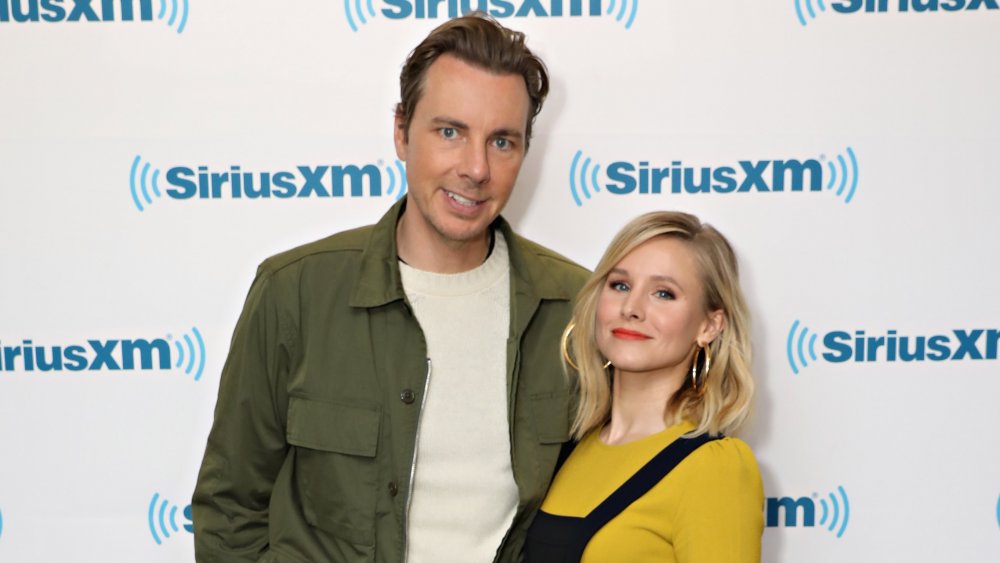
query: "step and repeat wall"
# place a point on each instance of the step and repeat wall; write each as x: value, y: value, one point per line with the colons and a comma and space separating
x: 153, y: 152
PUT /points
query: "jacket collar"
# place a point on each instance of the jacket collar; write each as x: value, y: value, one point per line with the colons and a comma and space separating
x: 379, y: 281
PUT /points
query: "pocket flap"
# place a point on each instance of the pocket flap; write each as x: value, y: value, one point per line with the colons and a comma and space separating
x: 342, y: 427
x: 552, y: 416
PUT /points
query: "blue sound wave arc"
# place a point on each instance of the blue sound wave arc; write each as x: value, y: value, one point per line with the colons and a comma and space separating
x: 190, y: 345
x: 801, y: 16
x: 631, y: 16
x: 402, y: 179
x: 173, y: 13
x: 798, y: 12
x: 371, y: 9
x: 583, y: 177
x: 163, y: 523
x: 843, y: 176
x: 621, y: 8
x: 593, y: 178
x: 812, y: 347
x: 201, y: 348
x: 833, y: 174
x: 184, y: 18
x: 847, y: 511
x: 854, y: 180
x: 142, y: 181
x: 836, y: 512
x: 998, y: 513
x: 163, y: 9
x: 156, y: 185
x: 347, y: 13
x: 822, y: 504
x: 392, y: 180
x: 152, y: 525
x: 173, y: 519
x: 1, y: 523
x: 361, y: 13
x: 131, y: 177
x: 572, y: 178
x: 180, y: 354
x: 788, y: 347
x: 802, y: 356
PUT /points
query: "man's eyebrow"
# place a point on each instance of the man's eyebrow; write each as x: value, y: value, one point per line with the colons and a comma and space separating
x: 450, y: 122
x: 512, y: 133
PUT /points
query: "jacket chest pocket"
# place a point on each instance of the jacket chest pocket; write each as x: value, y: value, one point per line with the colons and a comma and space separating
x: 336, y: 470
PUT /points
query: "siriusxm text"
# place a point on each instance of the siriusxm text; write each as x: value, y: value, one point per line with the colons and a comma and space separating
x: 95, y: 355
x: 748, y: 176
x: 852, y: 6
x: 430, y: 9
x: 75, y: 10
x: 305, y: 181
x: 792, y: 508
x: 977, y: 344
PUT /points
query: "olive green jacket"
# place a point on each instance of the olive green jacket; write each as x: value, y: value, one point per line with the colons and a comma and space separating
x: 310, y: 458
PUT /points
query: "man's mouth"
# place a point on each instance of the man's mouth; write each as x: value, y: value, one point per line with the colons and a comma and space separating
x: 462, y: 200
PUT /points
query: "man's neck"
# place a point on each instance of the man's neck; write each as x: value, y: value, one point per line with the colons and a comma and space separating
x: 427, y: 250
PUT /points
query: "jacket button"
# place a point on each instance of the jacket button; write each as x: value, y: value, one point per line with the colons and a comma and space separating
x: 393, y: 488
x: 407, y: 396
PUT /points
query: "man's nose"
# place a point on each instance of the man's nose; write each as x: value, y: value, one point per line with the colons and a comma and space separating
x: 475, y: 163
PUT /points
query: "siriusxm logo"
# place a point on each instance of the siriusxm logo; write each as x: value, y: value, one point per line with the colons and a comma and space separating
x: 158, y: 518
x: 881, y: 6
x: 624, y: 177
x: 360, y: 12
x: 52, y: 11
x: 326, y: 181
x: 187, y: 354
x: 833, y: 515
x: 843, y: 346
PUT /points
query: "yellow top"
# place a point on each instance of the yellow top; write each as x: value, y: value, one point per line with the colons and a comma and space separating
x: 709, y: 509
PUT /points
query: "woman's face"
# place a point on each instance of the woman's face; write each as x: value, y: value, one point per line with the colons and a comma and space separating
x: 651, y: 310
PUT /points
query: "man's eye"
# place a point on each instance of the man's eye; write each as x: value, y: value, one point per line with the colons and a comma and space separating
x: 502, y: 144
x: 449, y: 132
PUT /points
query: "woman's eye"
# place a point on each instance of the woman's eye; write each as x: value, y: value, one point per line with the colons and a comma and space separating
x: 618, y: 286
x: 664, y: 294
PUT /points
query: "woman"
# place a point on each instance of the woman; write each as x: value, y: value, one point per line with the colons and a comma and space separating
x: 660, y: 345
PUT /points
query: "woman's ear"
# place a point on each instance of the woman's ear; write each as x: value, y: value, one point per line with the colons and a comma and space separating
x: 714, y: 324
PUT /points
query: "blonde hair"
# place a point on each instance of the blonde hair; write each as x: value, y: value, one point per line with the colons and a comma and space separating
x: 721, y: 403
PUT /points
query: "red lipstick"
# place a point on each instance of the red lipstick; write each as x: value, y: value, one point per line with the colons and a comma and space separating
x: 626, y: 334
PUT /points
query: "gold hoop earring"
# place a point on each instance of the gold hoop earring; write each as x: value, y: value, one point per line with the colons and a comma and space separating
x: 607, y: 364
x: 694, y: 366
x: 564, y: 346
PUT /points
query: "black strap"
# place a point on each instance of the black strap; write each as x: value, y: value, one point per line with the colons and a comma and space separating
x: 643, y: 480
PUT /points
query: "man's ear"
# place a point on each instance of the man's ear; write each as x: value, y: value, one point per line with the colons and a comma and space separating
x: 399, y: 137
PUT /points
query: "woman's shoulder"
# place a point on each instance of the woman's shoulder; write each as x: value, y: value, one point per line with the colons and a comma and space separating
x: 725, y: 465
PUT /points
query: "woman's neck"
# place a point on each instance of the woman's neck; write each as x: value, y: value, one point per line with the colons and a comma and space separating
x: 638, y: 405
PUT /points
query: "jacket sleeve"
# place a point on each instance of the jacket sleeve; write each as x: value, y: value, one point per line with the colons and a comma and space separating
x: 246, y: 446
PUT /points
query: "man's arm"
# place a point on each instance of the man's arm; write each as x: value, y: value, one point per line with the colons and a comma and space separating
x: 246, y: 446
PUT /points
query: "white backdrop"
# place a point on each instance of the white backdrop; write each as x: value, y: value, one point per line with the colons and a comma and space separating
x: 878, y: 459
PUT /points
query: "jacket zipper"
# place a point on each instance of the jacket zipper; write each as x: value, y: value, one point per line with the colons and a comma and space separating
x: 413, y: 464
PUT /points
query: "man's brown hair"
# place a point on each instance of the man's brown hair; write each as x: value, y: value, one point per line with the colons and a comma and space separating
x: 481, y: 41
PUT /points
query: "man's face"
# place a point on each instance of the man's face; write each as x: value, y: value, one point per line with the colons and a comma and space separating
x: 465, y: 147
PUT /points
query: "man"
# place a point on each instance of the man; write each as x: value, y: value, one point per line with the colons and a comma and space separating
x: 394, y: 392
